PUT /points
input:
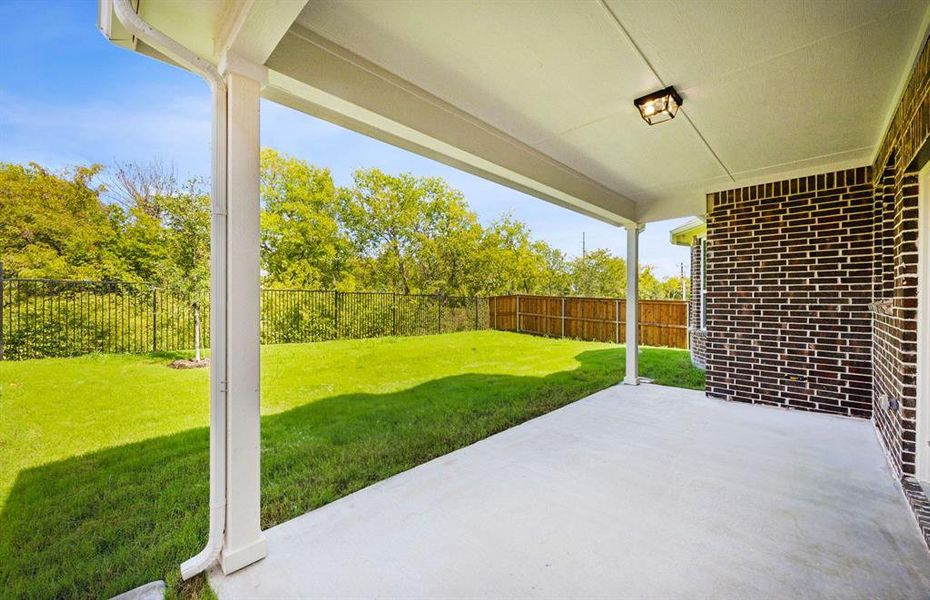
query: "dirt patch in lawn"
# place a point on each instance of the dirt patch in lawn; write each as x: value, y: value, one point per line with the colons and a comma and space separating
x: 188, y: 363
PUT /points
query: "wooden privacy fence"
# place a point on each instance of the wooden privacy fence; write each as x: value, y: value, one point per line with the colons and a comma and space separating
x: 661, y: 322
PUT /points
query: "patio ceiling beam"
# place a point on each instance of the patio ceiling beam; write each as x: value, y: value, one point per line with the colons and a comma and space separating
x: 313, y: 75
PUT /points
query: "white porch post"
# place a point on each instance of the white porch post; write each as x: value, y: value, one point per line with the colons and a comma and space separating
x: 632, y: 304
x: 244, y: 542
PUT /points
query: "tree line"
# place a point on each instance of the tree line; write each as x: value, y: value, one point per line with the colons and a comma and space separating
x: 382, y: 232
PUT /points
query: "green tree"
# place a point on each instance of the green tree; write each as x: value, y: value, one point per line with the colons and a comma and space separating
x: 139, y: 189
x: 164, y: 232
x: 513, y: 262
x: 382, y: 233
x: 601, y: 274
x: 558, y: 278
x: 302, y: 243
x: 140, y: 245
x: 653, y: 288
x: 598, y: 273
x: 413, y: 235
x: 185, y: 219
x: 54, y: 225
x: 447, y: 244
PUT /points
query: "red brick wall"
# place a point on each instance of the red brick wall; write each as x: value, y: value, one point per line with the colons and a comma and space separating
x: 790, y: 275
x: 894, y: 344
x: 903, y: 151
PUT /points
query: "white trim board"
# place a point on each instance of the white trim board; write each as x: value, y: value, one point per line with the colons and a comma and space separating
x: 923, y: 328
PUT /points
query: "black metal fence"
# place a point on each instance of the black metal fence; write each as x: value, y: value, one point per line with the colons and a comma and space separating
x: 47, y: 318
x: 313, y: 316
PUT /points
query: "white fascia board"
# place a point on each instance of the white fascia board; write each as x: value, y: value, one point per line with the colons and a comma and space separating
x: 253, y: 28
x: 315, y: 76
x: 684, y: 234
x: 111, y: 28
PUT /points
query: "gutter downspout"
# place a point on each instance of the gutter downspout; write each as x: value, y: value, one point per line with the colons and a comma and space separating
x: 218, y: 278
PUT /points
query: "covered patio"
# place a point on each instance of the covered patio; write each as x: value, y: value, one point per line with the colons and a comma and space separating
x: 636, y: 491
x: 798, y: 133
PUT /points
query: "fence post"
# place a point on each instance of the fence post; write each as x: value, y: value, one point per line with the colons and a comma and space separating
x: 518, y: 313
x: 495, y: 312
x: 394, y: 314
x: 1, y: 309
x: 476, y: 313
x: 562, y: 319
x: 154, y: 319
x: 336, y: 312
x: 617, y: 322
x: 439, y: 312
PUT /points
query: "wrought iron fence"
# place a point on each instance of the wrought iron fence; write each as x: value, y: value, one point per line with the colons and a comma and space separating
x: 313, y: 315
x: 48, y: 318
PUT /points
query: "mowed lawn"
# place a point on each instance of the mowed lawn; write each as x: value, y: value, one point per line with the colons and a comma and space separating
x: 103, y: 459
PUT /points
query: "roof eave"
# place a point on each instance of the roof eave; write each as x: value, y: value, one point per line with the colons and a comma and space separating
x: 683, y: 235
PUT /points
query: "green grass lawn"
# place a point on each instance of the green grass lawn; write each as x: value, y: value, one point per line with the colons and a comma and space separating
x: 103, y: 459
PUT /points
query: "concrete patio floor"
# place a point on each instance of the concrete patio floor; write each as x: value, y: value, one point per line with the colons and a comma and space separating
x: 642, y: 491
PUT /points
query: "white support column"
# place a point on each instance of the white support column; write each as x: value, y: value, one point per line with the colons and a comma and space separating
x: 244, y: 542
x: 632, y: 304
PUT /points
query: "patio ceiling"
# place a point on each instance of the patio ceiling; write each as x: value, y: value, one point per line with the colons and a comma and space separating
x: 539, y: 96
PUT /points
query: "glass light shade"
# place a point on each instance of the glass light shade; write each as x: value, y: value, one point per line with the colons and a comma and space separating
x: 659, y: 107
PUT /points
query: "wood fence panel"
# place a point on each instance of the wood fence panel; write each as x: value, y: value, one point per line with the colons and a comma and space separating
x: 503, y: 313
x: 661, y: 322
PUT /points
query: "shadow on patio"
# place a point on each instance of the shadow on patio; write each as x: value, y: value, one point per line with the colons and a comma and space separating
x: 101, y: 523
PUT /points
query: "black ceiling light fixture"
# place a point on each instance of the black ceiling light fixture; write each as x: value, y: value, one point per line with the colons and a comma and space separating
x: 660, y: 106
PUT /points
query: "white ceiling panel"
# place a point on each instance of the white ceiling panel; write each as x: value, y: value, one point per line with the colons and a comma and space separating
x: 528, y: 68
x: 767, y: 84
x: 623, y: 152
x: 694, y: 42
x: 823, y: 71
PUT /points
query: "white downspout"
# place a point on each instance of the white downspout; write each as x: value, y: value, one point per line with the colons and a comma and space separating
x: 140, y: 29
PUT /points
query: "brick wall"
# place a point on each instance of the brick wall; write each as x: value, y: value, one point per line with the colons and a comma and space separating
x: 894, y: 342
x: 909, y: 130
x: 792, y: 267
x: 903, y: 151
x: 790, y: 274
x: 696, y: 335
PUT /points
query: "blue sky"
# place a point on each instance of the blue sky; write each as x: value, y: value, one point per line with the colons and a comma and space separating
x: 67, y: 96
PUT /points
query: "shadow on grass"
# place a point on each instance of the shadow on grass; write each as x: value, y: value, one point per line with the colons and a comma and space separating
x: 99, y: 524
